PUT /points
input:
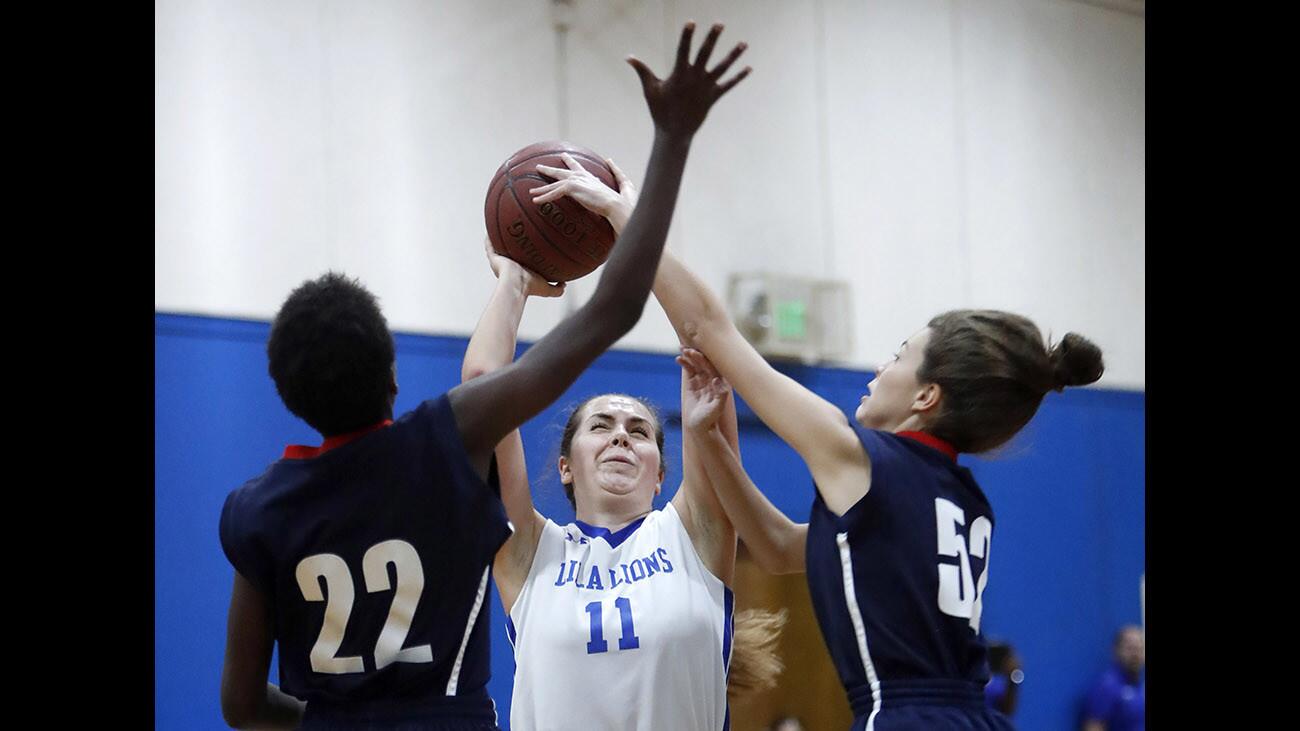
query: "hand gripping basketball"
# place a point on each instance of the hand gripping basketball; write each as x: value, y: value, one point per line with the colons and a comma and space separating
x: 679, y: 103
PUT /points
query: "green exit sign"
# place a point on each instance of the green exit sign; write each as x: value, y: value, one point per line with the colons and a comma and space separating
x: 791, y: 319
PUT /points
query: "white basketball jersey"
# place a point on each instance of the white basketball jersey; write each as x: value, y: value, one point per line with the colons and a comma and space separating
x: 624, y: 630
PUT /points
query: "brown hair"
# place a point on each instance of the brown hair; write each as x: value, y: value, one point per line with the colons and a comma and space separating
x: 754, y: 661
x: 993, y: 370
x: 575, y: 417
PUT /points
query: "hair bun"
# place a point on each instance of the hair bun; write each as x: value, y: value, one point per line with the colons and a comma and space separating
x: 1076, y: 361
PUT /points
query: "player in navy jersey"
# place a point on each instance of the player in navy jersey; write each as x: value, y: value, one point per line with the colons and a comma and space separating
x: 898, y: 543
x: 366, y: 558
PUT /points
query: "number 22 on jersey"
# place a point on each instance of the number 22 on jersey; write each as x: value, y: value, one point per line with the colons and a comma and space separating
x: 338, y: 607
x: 959, y: 595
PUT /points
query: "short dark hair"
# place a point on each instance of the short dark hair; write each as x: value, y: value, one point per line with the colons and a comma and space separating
x: 571, y: 428
x: 331, y: 355
x: 993, y: 369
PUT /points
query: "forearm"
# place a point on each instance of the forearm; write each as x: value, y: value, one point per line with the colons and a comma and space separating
x: 492, y: 345
x: 692, y: 308
x: 816, y: 428
x: 630, y: 271
x: 776, y: 541
x: 277, y: 710
x: 516, y: 494
x: 1008, y: 705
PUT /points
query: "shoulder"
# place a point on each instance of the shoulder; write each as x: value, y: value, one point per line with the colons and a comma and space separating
x: 885, y: 447
x: 435, y: 413
x: 246, y: 503
x: 667, y: 518
x: 243, y: 529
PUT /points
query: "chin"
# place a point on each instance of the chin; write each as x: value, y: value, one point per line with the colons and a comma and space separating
x: 860, y: 415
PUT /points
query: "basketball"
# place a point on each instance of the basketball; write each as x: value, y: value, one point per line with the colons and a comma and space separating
x: 559, y: 239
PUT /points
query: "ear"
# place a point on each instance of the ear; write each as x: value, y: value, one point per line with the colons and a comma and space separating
x: 566, y: 475
x: 392, y: 381
x: 927, y: 399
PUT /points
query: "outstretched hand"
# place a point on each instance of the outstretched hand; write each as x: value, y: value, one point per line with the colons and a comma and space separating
x: 706, y: 391
x: 579, y: 184
x: 533, y: 284
x: 679, y: 103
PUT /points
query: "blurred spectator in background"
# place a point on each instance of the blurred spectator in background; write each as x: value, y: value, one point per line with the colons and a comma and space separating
x: 1005, y: 677
x: 1118, y: 702
x: 786, y: 723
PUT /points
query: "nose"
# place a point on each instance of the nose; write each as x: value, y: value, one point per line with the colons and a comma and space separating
x: 618, y: 435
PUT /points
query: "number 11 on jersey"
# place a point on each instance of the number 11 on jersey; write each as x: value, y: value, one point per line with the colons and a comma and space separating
x: 628, y: 640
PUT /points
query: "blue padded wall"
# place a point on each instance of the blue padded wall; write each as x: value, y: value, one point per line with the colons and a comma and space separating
x: 1068, y: 495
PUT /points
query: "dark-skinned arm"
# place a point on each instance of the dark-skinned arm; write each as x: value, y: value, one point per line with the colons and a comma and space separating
x: 491, y: 406
x: 247, y: 699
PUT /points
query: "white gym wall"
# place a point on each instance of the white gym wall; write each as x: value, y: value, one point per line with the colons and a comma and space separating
x: 937, y: 153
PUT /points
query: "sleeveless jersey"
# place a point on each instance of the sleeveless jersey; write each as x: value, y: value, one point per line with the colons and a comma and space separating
x: 374, y: 555
x: 897, y: 585
x: 626, y: 630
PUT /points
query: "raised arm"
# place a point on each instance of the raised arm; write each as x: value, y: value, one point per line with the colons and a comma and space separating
x: 816, y: 428
x: 776, y: 542
x: 491, y: 347
x: 706, y: 522
x: 489, y: 407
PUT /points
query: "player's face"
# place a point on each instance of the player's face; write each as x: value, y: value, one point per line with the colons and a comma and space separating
x: 1131, y: 650
x: 614, y: 450
x: 894, y: 390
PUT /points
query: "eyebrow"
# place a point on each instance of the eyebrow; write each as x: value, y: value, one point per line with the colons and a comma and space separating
x: 610, y: 417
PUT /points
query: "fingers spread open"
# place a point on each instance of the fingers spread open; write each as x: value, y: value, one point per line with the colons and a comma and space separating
x: 684, y: 46
x: 648, y: 79
x: 725, y: 64
x: 707, y: 47
x: 724, y: 88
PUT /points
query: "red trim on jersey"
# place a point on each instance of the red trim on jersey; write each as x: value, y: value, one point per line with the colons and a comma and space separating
x: 302, y: 451
x: 930, y: 440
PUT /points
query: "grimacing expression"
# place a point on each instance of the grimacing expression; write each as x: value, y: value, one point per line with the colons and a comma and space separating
x: 614, y: 451
x: 892, y: 392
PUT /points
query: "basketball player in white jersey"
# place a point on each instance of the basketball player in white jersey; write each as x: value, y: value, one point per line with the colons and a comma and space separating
x: 622, y: 619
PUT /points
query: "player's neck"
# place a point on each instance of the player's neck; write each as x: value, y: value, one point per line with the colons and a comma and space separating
x: 612, y: 514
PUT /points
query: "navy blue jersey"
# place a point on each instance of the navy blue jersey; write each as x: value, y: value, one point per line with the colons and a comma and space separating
x: 897, y: 582
x: 375, y: 556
